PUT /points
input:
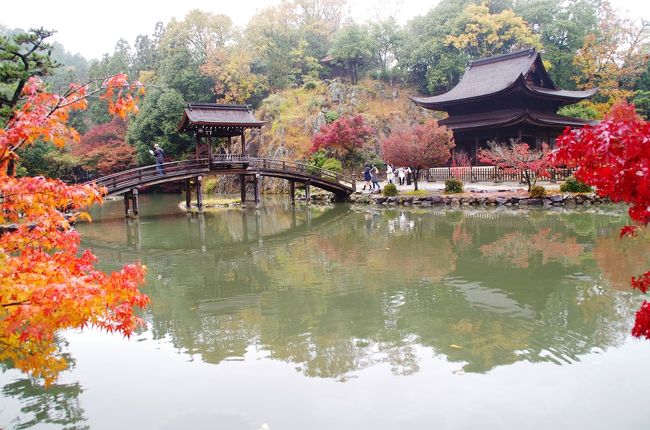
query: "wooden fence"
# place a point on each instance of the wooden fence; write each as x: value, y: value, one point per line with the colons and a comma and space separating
x: 491, y: 174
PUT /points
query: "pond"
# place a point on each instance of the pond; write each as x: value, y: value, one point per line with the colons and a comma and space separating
x: 347, y: 317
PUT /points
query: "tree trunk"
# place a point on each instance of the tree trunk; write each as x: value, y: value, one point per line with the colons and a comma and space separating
x: 416, y: 173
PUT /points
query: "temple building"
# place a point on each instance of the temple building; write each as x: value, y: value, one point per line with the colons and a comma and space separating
x: 504, y: 97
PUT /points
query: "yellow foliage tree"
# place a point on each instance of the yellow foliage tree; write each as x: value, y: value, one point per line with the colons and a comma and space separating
x: 480, y: 33
x: 613, y: 59
x: 231, y: 71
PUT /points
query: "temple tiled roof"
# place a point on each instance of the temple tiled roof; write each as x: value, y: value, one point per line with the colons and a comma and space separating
x: 499, y: 74
x: 214, y: 116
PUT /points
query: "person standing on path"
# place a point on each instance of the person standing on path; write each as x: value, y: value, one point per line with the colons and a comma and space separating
x: 374, y: 176
x: 401, y: 173
x: 367, y: 177
x: 159, y: 154
x: 390, y: 175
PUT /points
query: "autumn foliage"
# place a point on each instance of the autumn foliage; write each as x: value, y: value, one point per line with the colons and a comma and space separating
x: 516, y: 156
x: 344, y: 137
x: 614, y: 157
x: 103, y: 148
x: 418, y: 147
x: 46, y: 283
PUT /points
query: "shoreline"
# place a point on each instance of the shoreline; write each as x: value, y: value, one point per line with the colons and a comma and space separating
x: 568, y: 200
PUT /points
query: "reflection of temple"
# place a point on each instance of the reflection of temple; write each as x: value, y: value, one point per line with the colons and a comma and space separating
x: 505, y: 97
x: 357, y: 289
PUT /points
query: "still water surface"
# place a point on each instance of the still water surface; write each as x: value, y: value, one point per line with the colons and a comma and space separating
x: 357, y: 318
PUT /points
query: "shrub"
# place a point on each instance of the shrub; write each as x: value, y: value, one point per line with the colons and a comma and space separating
x: 331, y: 116
x: 333, y: 165
x: 537, y: 192
x: 390, y: 190
x: 309, y: 85
x: 572, y: 185
x: 210, y: 185
x: 453, y: 186
x: 316, y: 161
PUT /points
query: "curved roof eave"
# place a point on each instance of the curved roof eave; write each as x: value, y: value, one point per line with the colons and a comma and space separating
x: 507, y: 118
x: 428, y: 103
x: 568, y: 95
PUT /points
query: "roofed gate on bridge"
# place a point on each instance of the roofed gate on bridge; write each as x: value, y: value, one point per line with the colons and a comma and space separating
x: 211, y: 120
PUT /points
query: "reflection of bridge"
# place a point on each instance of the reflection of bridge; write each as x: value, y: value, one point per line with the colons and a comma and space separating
x: 252, y: 234
x: 248, y: 169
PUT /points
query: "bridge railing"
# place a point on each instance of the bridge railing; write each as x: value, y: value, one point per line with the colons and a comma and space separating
x: 147, y: 174
x: 302, y: 169
x: 229, y: 158
x: 133, y: 177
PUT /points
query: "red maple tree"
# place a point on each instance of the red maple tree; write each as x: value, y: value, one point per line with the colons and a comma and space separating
x: 614, y: 157
x: 419, y: 147
x: 515, y: 156
x: 344, y: 137
x: 103, y: 148
x: 46, y: 284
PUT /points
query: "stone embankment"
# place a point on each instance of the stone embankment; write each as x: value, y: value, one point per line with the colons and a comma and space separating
x: 566, y: 200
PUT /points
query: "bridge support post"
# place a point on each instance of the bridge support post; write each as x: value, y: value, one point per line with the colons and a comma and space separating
x: 292, y: 192
x: 136, y: 209
x: 199, y: 193
x: 307, y: 191
x: 242, y: 184
x: 188, y: 195
x: 256, y: 188
x: 340, y: 197
x: 131, y: 203
x: 127, y: 199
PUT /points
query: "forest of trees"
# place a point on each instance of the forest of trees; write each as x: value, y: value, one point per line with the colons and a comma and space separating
x: 298, y: 43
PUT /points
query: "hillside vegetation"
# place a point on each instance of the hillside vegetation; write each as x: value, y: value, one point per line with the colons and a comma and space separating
x: 293, y: 116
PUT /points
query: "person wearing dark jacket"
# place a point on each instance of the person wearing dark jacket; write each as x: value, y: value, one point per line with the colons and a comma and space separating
x: 367, y: 177
x: 159, y: 155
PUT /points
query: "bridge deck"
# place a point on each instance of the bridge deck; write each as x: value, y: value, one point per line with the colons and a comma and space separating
x: 123, y: 182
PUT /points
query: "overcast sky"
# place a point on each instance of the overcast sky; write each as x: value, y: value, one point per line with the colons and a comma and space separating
x: 93, y: 28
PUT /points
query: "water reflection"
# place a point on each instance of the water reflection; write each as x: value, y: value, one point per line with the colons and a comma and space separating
x: 58, y: 404
x: 336, y: 290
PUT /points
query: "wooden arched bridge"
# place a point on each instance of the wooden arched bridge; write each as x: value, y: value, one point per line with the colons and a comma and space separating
x: 215, y: 125
x: 249, y: 169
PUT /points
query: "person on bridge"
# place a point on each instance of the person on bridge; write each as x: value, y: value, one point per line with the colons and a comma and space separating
x: 159, y: 154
